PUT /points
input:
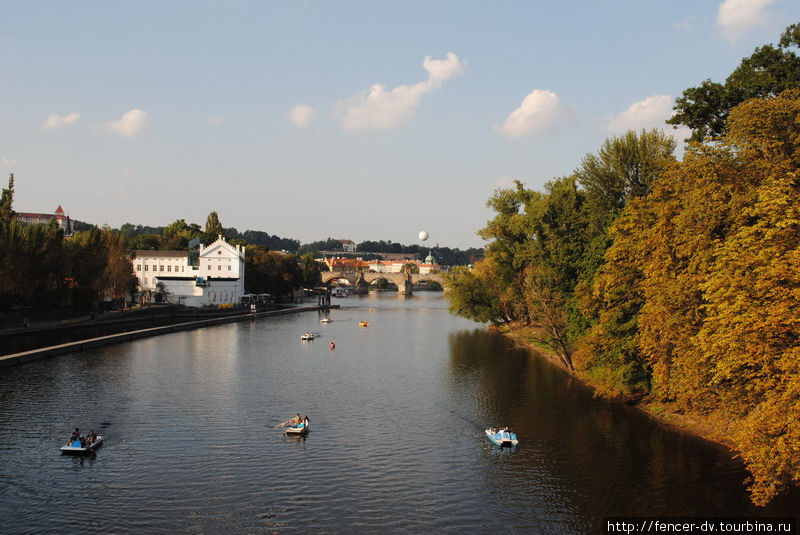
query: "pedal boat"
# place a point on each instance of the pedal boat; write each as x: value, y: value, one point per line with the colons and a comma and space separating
x: 363, y: 324
x: 325, y: 320
x: 297, y: 430
x: 75, y: 447
x: 502, y: 438
x: 307, y: 336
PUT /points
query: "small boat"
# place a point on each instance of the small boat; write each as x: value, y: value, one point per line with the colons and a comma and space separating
x: 76, y: 447
x: 502, y: 438
x: 363, y: 324
x: 308, y: 336
x: 325, y: 320
x: 298, y: 430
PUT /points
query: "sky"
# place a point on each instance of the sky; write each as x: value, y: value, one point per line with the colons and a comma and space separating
x: 359, y: 120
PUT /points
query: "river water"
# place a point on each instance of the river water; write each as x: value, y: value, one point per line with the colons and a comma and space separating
x: 396, y: 443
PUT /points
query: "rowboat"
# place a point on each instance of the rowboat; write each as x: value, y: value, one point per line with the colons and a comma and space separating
x: 502, y: 438
x: 75, y: 446
x: 298, y: 430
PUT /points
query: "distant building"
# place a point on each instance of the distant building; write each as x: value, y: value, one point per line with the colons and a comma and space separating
x: 348, y: 246
x: 217, y: 278
x: 63, y: 220
x: 346, y: 264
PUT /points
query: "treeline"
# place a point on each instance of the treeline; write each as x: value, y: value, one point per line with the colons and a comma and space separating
x: 38, y: 268
x: 443, y: 255
x: 675, y: 281
x: 177, y: 235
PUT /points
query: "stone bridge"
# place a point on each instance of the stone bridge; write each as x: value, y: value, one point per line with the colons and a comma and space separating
x: 362, y: 280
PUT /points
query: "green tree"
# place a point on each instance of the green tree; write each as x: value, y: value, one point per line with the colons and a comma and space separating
x: 213, y: 228
x: 311, y: 270
x: 765, y: 73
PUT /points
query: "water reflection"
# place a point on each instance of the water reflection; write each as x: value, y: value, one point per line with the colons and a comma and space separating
x: 397, y: 445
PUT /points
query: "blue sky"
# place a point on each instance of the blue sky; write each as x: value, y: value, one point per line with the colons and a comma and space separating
x: 361, y: 120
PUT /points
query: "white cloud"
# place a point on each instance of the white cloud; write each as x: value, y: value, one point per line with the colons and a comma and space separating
x: 538, y: 113
x: 8, y: 162
x: 301, y: 115
x: 216, y: 121
x: 686, y: 25
x: 379, y: 108
x: 653, y: 110
x: 131, y: 124
x: 737, y: 17
x: 55, y: 120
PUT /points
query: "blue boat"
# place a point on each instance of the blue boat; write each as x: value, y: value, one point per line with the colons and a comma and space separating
x: 78, y: 447
x: 502, y: 438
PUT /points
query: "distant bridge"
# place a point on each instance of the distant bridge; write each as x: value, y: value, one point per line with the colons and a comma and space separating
x: 362, y: 280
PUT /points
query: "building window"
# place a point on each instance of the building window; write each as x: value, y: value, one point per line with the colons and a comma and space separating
x: 138, y: 267
x: 219, y: 268
x: 229, y: 268
x: 169, y: 268
x: 145, y: 267
x: 161, y: 268
x: 219, y: 252
x: 176, y: 269
x: 181, y: 269
x: 209, y: 267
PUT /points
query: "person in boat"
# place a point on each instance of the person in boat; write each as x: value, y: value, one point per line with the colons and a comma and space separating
x: 333, y: 345
x: 295, y: 420
x: 76, y: 435
x: 495, y: 430
x: 91, y: 438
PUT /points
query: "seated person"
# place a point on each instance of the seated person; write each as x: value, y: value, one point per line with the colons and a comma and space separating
x: 76, y: 435
x: 296, y: 419
x: 91, y: 437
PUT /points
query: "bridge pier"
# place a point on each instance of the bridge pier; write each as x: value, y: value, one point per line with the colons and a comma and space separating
x: 405, y: 287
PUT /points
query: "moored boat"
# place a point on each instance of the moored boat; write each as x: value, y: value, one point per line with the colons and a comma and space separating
x: 77, y: 447
x: 501, y: 437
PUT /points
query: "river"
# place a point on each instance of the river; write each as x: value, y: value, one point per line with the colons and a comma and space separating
x: 396, y: 443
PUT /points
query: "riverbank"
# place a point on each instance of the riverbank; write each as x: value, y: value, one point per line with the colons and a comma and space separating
x: 99, y: 341
x: 717, y: 427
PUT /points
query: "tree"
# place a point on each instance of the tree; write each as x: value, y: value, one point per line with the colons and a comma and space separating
x: 270, y: 272
x: 477, y: 295
x: 765, y: 73
x: 7, y: 200
x: 118, y: 279
x: 546, y: 309
x: 311, y: 270
x: 213, y: 228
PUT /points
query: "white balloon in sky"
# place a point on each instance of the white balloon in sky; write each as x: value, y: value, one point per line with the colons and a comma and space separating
x: 423, y: 235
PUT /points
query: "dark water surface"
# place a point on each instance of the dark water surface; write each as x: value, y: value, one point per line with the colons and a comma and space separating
x: 396, y: 443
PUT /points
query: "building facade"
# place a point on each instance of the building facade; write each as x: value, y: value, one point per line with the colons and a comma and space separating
x: 216, y: 278
x: 63, y: 220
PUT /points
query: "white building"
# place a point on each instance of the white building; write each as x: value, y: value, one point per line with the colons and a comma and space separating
x: 218, y: 277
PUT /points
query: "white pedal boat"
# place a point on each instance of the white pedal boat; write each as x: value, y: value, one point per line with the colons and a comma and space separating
x: 298, y: 430
x: 502, y: 438
x: 308, y: 336
x: 325, y: 320
x: 75, y: 447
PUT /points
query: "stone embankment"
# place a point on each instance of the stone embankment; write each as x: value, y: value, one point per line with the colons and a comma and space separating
x: 78, y: 345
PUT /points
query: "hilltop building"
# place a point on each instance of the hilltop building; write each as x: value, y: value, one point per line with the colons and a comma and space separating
x: 348, y: 246
x: 63, y: 220
x: 214, y: 276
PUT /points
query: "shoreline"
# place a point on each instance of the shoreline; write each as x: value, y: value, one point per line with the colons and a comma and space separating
x: 712, y: 427
x: 23, y: 357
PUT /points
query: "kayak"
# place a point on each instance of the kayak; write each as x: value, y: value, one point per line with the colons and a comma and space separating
x: 75, y: 447
x: 298, y: 430
x: 502, y: 438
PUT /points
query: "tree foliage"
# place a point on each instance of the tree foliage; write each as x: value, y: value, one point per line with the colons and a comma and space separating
x: 765, y: 73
